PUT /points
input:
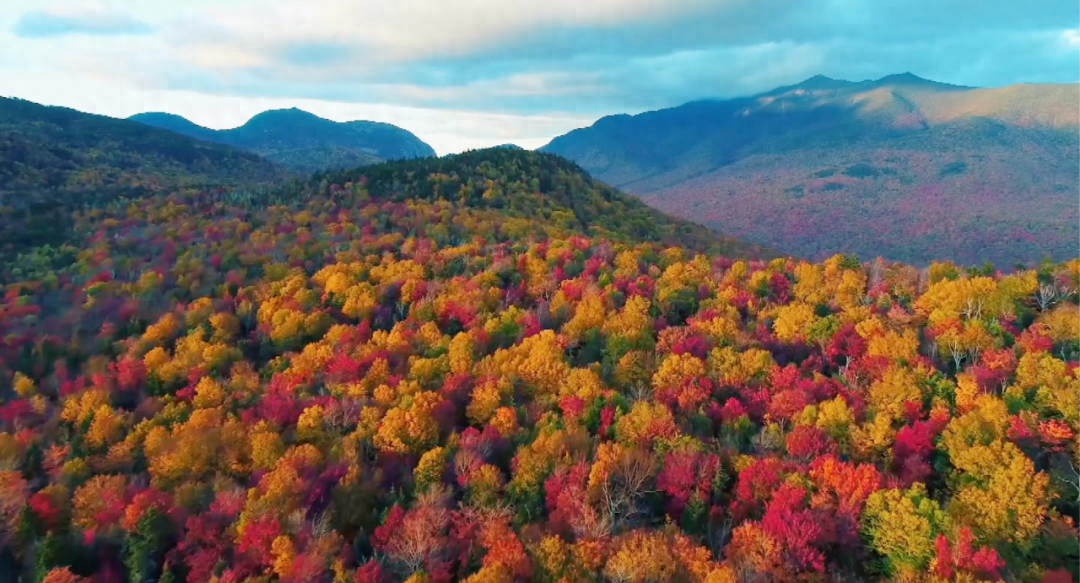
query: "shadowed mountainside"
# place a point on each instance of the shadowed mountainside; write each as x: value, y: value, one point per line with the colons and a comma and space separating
x: 304, y: 142
x: 900, y: 167
x: 55, y: 159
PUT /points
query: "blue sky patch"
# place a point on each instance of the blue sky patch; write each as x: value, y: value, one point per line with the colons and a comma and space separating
x: 41, y: 24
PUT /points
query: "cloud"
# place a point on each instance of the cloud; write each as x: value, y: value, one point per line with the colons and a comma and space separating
x: 317, y: 54
x: 409, y: 30
x: 85, y: 19
x: 541, y: 59
x: 608, y: 55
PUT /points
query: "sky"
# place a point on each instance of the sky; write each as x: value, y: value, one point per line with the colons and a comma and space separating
x: 464, y: 74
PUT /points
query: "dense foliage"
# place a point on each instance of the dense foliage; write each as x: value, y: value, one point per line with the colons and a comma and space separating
x: 531, y: 185
x: 56, y: 148
x: 320, y: 159
x: 901, y: 167
x: 407, y: 375
x: 54, y: 160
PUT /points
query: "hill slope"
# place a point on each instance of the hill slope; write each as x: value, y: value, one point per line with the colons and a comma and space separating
x: 305, y: 142
x: 888, y: 167
x: 53, y: 159
x: 56, y: 148
x: 528, y: 185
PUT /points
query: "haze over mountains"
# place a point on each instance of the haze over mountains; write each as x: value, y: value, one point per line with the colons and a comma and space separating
x: 304, y: 142
x: 902, y: 167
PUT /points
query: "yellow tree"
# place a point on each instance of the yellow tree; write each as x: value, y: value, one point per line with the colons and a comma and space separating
x: 487, y: 396
x: 633, y: 372
x: 409, y: 427
x: 429, y: 470
x: 633, y: 322
x: 539, y: 361
x: 897, y: 386
x: 1008, y: 500
x: 642, y: 557
x: 793, y: 322
x: 735, y: 367
x: 106, y: 428
x: 902, y: 527
x: 462, y: 353
x: 1047, y: 380
x: 589, y: 314
x: 646, y: 422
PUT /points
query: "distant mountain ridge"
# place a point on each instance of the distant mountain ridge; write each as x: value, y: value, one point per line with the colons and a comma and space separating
x: 302, y: 141
x: 885, y: 167
x: 45, y: 148
x: 55, y: 159
x: 823, y: 83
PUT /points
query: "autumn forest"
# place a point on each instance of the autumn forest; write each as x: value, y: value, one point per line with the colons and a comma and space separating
x: 490, y: 368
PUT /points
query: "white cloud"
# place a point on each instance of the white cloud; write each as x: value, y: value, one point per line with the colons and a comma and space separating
x: 224, y: 57
x: 402, y: 30
x: 442, y: 61
x: 550, y: 84
x: 83, y: 9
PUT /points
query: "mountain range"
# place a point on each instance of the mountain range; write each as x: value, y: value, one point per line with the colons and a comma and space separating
x: 900, y: 167
x: 44, y: 148
x: 302, y: 141
x: 56, y: 162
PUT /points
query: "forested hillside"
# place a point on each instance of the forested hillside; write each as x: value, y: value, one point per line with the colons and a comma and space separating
x: 534, y: 186
x: 899, y: 167
x: 490, y: 368
x: 54, y: 160
x: 55, y: 148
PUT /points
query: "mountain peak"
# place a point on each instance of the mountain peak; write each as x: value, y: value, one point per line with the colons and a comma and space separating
x: 286, y: 110
x: 173, y: 123
x: 818, y: 82
x: 815, y: 83
x: 303, y: 141
x: 910, y: 79
x: 157, y: 115
x: 907, y: 77
x: 291, y: 114
x: 157, y: 118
